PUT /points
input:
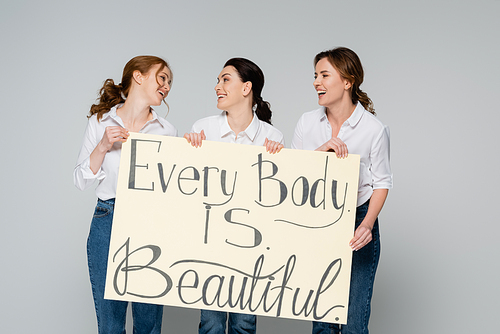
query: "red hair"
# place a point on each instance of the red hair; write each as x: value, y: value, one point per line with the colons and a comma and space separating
x: 111, y: 94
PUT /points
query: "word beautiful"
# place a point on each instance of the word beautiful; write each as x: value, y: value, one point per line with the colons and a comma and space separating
x: 253, y: 292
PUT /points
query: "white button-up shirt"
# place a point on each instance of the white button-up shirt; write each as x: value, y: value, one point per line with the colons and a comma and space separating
x: 217, y: 128
x: 107, y: 175
x: 363, y: 134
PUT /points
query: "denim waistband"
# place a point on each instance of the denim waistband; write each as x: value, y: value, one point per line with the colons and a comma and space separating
x: 367, y: 203
x: 110, y: 201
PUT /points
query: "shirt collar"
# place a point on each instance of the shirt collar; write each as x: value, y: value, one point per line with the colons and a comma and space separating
x: 356, y: 115
x: 322, y: 114
x: 112, y: 113
x: 250, y: 131
x: 352, y: 120
x: 225, y: 129
x: 253, y: 128
x: 160, y: 120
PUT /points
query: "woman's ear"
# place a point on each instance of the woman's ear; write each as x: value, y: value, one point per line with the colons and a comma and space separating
x: 247, y: 88
x: 347, y: 84
x: 138, y: 77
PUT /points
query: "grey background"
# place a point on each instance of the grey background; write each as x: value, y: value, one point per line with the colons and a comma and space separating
x: 431, y: 69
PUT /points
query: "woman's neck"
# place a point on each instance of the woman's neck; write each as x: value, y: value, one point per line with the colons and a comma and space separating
x: 134, y: 114
x: 239, y: 118
x: 338, y: 114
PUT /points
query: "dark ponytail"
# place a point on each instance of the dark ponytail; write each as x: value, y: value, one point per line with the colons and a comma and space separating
x: 263, y: 110
x: 110, y: 94
x: 348, y: 64
x: 249, y: 71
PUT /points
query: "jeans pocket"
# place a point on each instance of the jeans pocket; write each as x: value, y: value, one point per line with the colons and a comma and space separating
x: 101, y: 212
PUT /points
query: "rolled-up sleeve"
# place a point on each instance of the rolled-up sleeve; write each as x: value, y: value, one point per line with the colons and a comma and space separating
x: 380, y: 160
x: 83, y: 177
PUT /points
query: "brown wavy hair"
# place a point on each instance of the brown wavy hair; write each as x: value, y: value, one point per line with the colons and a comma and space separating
x: 348, y: 64
x: 111, y: 94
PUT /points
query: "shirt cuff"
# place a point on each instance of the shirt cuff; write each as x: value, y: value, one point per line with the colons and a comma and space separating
x: 382, y: 185
x: 88, y: 174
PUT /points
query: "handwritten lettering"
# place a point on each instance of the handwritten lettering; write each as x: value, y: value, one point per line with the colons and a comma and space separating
x: 245, y: 235
x: 125, y: 267
x: 216, y: 290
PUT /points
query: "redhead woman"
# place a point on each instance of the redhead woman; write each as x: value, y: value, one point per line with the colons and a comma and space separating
x: 245, y: 119
x: 346, y: 123
x: 121, y: 108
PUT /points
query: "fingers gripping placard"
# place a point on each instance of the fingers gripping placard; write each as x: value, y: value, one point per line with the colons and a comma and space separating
x: 232, y: 227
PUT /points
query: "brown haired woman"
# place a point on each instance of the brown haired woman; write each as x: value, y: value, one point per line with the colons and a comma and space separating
x: 345, y: 123
x: 121, y: 108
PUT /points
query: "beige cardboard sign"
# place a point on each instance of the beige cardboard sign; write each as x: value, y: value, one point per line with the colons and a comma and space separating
x: 231, y: 227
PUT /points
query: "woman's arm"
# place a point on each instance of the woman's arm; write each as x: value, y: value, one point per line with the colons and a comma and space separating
x: 363, y: 234
x: 88, y: 166
x: 111, y: 135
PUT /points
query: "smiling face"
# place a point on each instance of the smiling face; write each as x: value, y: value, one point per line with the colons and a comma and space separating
x: 230, y: 90
x: 156, y: 84
x: 329, y: 85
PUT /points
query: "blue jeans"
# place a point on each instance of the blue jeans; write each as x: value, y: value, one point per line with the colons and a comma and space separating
x: 364, y: 266
x: 111, y: 314
x: 214, y: 322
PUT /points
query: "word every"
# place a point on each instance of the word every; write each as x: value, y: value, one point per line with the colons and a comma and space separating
x: 189, y: 179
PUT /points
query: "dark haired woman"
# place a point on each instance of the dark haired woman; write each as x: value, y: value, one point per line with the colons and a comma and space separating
x: 344, y: 123
x: 121, y: 108
x: 245, y: 119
